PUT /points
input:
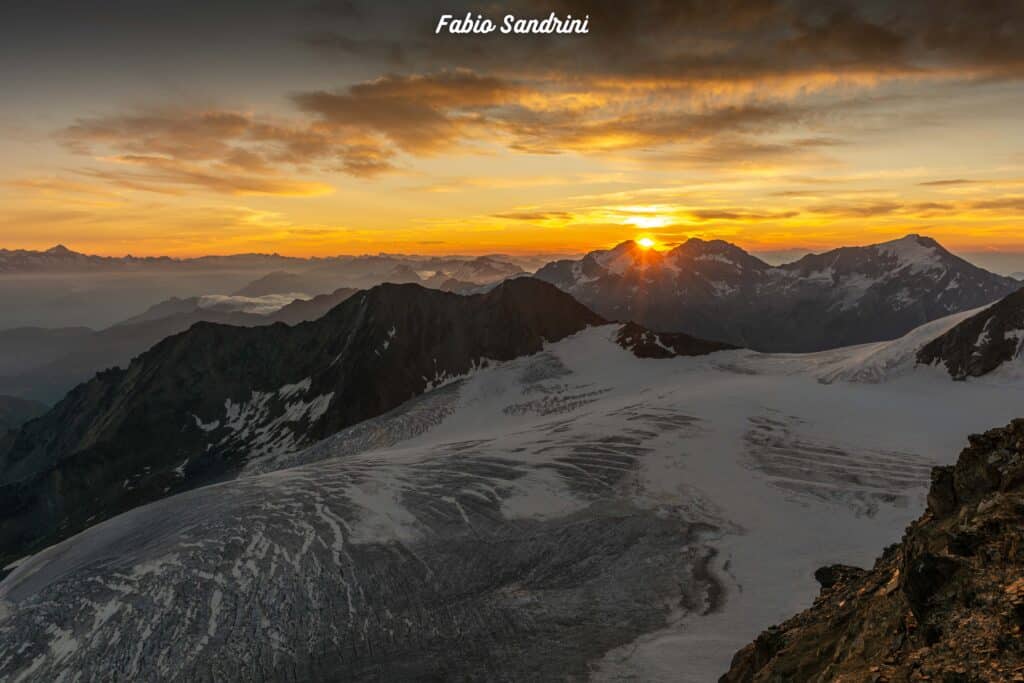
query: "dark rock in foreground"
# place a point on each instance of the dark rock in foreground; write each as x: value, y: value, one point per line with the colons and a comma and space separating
x: 945, y: 604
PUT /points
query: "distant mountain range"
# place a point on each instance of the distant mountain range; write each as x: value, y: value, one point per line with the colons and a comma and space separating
x: 715, y: 290
x: 200, y: 404
x: 481, y: 269
x: 62, y: 288
x: 367, y: 271
x: 44, y: 364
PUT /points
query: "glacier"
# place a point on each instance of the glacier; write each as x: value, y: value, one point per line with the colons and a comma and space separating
x: 580, y: 512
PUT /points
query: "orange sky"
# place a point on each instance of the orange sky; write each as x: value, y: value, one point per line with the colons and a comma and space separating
x: 750, y: 126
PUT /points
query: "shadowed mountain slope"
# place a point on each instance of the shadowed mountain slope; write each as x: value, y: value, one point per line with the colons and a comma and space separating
x: 194, y: 408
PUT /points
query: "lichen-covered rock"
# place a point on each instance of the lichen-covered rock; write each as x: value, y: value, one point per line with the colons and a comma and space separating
x: 945, y: 604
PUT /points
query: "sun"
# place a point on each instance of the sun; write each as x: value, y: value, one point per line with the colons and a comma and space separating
x: 645, y: 242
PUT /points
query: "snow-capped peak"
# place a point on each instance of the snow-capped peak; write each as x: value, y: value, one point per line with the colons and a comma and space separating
x: 624, y: 256
x: 914, y: 251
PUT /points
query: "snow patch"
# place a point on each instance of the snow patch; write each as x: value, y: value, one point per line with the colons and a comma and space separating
x: 206, y: 426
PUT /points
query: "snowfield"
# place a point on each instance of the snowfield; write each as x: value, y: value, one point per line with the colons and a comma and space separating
x: 580, y: 512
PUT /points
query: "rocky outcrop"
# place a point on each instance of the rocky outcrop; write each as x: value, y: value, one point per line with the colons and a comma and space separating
x: 199, y: 405
x: 715, y: 290
x: 944, y: 604
x: 983, y: 342
x: 647, y: 344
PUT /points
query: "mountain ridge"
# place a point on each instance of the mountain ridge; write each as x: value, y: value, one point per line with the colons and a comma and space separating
x: 716, y: 290
x: 945, y: 603
x: 54, y: 360
x: 197, y: 405
x: 983, y: 342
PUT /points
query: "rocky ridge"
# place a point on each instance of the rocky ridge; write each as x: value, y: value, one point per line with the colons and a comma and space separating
x: 982, y: 343
x: 945, y: 604
x: 198, y: 405
x: 715, y: 290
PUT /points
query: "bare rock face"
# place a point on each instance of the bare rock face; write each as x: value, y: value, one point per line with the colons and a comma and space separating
x: 647, y: 344
x: 983, y: 342
x: 945, y: 604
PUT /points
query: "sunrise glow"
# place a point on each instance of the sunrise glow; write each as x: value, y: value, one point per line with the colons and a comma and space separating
x: 309, y: 150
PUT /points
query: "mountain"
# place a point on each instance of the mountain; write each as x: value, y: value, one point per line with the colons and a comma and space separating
x: 45, y: 364
x: 715, y: 290
x: 982, y: 342
x: 60, y: 259
x: 62, y: 288
x: 1017, y: 276
x: 28, y: 347
x: 16, y: 411
x: 578, y: 513
x: 944, y: 604
x: 302, y: 310
x: 325, y: 275
x: 198, y: 405
x: 459, y: 286
x: 278, y: 282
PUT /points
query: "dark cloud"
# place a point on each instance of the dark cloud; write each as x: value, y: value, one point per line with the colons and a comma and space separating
x: 1013, y: 204
x: 740, y: 215
x: 690, y: 43
x: 683, y: 81
x: 535, y: 216
x: 417, y: 114
x: 866, y: 210
x: 944, y: 183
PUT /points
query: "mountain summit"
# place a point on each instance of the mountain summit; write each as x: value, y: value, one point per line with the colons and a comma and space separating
x: 716, y: 290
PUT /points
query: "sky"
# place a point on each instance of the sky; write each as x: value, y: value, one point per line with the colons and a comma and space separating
x: 309, y: 127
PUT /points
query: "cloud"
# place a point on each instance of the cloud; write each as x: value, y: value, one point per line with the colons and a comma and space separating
x: 168, y: 176
x: 740, y: 215
x: 748, y: 84
x: 535, y: 216
x: 865, y: 210
x: 222, y: 151
x: 697, y: 44
x: 418, y: 114
x: 446, y: 111
x: 944, y: 183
